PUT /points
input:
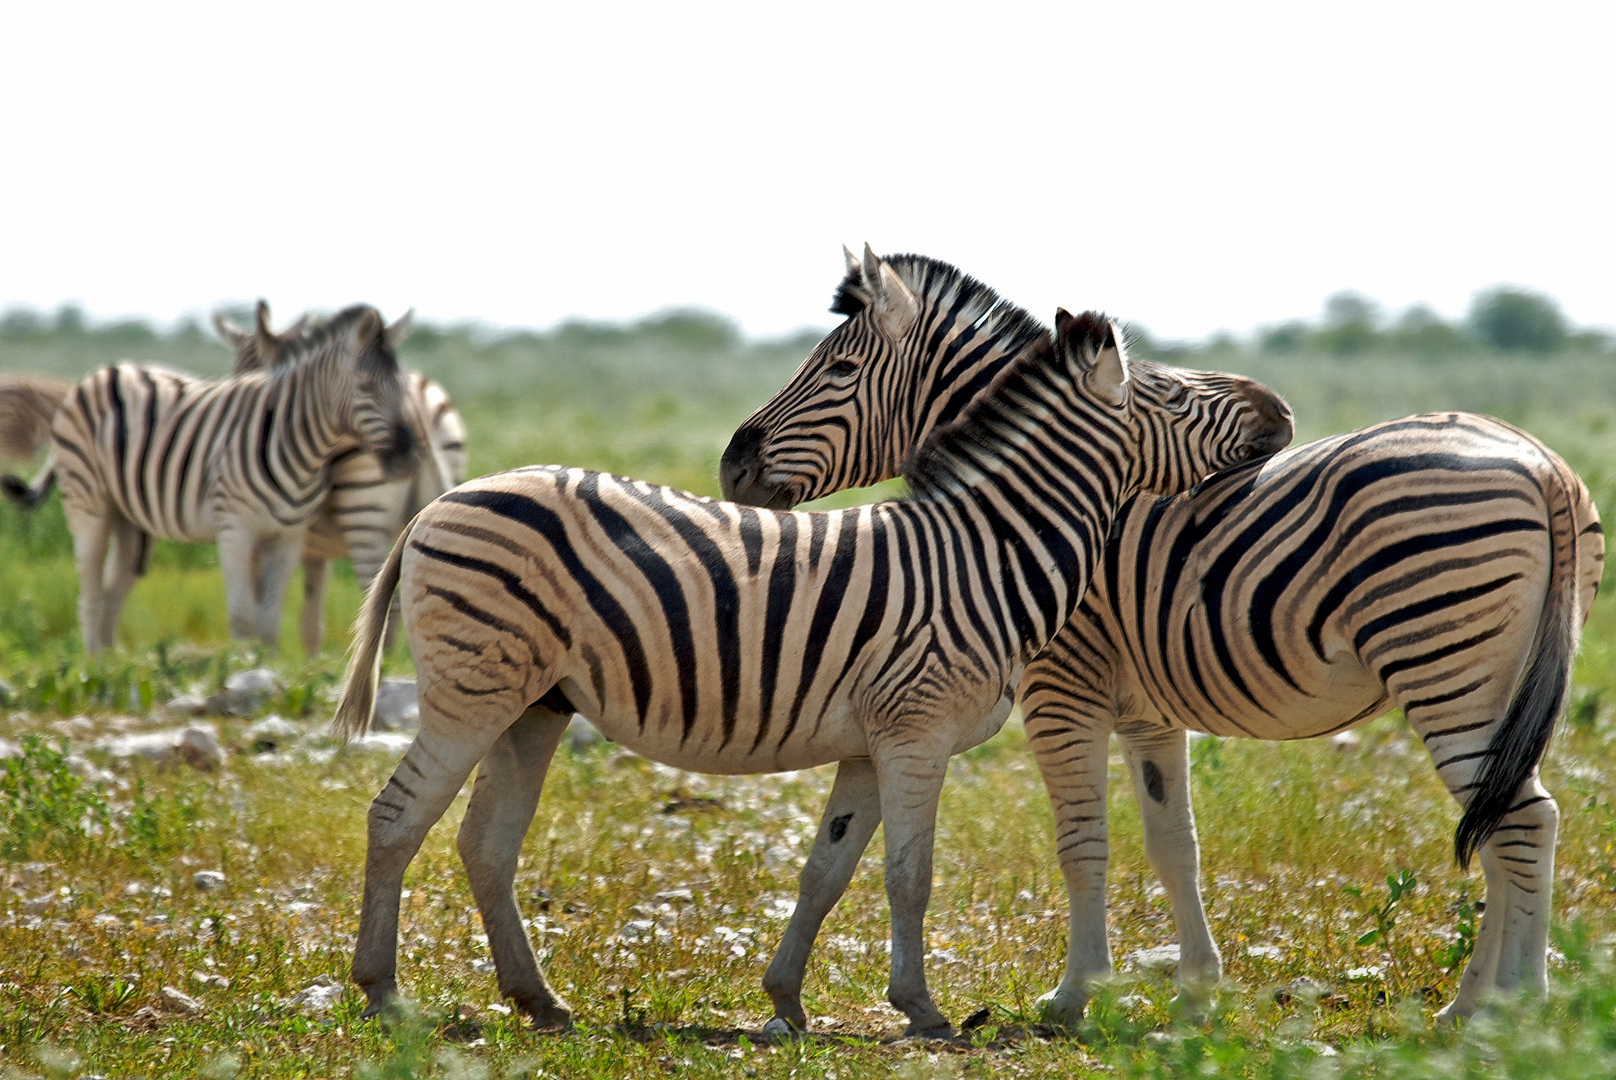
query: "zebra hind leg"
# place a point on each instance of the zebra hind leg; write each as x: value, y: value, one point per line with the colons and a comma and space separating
x: 851, y: 815
x: 91, y: 533
x: 416, y: 795
x: 1158, y: 760
x: 1071, y: 748
x: 503, y: 801
x: 311, y: 620
x: 1512, y: 943
x: 278, y: 556
x: 125, y: 562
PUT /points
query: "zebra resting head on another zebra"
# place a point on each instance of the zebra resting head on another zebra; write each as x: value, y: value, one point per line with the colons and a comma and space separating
x: 364, y: 508
x: 141, y: 451
x: 1440, y: 564
x: 721, y: 638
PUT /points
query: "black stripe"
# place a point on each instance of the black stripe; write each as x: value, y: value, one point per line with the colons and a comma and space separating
x: 513, y: 586
x: 782, y: 586
x: 830, y: 602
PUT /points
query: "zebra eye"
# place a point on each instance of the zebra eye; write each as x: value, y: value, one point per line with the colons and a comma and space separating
x: 841, y: 369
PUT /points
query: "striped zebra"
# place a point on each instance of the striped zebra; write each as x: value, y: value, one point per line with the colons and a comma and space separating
x: 726, y: 639
x: 141, y: 451
x: 364, y: 509
x: 1440, y: 564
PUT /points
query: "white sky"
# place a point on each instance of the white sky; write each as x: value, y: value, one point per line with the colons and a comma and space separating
x: 1186, y: 166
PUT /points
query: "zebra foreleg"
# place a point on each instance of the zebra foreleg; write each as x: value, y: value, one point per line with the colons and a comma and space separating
x: 91, y: 533
x: 490, y: 842
x: 278, y: 556
x: 415, y: 797
x: 1071, y: 748
x: 311, y: 620
x: 1158, y: 760
x: 910, y: 774
x: 851, y: 815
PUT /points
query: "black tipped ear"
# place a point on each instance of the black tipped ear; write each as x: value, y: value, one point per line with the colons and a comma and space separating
x: 852, y: 260
x: 263, y: 319
x: 1089, y: 342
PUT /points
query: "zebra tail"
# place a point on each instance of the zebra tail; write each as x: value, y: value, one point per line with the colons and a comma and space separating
x: 26, y: 495
x: 1519, y: 742
x: 358, y: 701
x: 28, y: 404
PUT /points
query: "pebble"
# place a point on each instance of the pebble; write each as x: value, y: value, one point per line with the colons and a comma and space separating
x: 245, y: 691
x: 319, y: 996
x: 207, y: 880
x: 9, y: 749
x: 397, y: 708
x: 385, y: 741
x: 270, y: 734
x: 179, y: 1001
x: 187, y: 705
x: 198, y: 747
x: 1305, y: 988
x: 1346, y: 740
x: 1163, y: 959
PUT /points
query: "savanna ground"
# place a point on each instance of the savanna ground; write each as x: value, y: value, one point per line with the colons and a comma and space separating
x: 656, y: 897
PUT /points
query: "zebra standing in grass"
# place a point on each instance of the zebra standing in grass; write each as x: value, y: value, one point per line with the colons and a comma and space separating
x: 141, y: 451
x: 365, y: 509
x: 1439, y: 564
x: 721, y: 638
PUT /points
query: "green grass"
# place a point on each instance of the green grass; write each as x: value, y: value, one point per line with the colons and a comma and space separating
x: 98, y: 913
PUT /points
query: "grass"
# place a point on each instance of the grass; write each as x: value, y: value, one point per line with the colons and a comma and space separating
x: 1351, y: 886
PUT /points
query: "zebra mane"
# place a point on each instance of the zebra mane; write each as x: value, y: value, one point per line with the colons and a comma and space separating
x: 940, y: 285
x: 311, y: 340
x: 957, y: 454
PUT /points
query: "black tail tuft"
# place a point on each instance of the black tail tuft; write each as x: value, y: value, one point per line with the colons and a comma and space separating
x: 19, y: 492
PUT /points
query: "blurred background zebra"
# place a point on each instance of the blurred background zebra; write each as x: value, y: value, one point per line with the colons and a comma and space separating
x: 140, y: 451
x: 1441, y: 564
x: 364, y: 508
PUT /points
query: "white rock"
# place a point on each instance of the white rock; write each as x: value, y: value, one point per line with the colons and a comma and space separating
x: 9, y: 749
x: 1265, y: 952
x: 85, y: 769
x: 187, y: 705
x: 177, y: 1001
x: 397, y: 708
x: 270, y: 733
x: 207, y: 978
x: 1163, y: 959
x: 581, y: 734
x: 207, y: 880
x: 1305, y: 988
x: 384, y: 742
x: 245, y: 691
x: 319, y: 996
x: 151, y: 745
x: 198, y: 746
x: 1346, y: 740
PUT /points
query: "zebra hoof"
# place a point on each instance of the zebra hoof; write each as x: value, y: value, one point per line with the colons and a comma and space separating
x: 1061, y: 1009
x: 553, y: 1016
x: 779, y: 1029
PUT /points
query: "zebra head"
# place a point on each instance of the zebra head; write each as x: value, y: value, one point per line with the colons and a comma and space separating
x: 1189, y: 424
x: 921, y: 339
x: 349, y: 365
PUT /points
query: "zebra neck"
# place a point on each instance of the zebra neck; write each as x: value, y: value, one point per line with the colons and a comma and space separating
x: 1044, y: 472
x: 308, y: 400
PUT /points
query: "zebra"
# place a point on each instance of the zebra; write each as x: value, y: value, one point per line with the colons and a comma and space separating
x: 727, y: 639
x: 365, y: 509
x: 28, y: 403
x: 141, y: 451
x: 1442, y: 564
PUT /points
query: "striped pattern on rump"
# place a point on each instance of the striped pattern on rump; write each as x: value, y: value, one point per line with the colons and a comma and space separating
x: 1440, y: 564
x: 364, y: 508
x: 141, y: 451
x: 722, y: 638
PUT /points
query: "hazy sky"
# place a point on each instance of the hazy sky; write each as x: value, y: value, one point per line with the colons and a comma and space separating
x: 1189, y: 167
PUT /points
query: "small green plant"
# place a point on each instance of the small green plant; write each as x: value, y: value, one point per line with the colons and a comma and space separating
x: 44, y: 806
x: 1383, y: 914
x: 104, y: 994
x: 1464, y: 941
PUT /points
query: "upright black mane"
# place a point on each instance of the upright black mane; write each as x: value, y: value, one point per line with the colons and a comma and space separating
x: 937, y: 283
x: 310, y: 341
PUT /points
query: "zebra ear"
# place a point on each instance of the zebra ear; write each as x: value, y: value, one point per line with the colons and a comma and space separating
x: 229, y: 333
x: 267, y: 342
x: 400, y: 329
x: 1091, y: 345
x: 896, y: 308
x: 852, y: 260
